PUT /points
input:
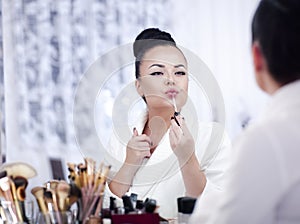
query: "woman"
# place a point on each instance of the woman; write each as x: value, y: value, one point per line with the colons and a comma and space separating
x: 161, y: 160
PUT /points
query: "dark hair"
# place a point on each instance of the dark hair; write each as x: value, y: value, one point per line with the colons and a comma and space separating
x: 276, y: 27
x: 146, y: 40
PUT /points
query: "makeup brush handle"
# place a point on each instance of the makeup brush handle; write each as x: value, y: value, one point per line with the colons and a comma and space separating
x: 42, y: 205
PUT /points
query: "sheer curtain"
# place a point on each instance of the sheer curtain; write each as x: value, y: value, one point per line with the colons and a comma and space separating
x: 47, y: 47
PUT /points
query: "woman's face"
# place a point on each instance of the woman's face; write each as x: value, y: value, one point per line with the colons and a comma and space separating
x: 163, y: 76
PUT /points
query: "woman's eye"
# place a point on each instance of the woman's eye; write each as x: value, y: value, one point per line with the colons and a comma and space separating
x: 156, y: 73
x: 179, y: 73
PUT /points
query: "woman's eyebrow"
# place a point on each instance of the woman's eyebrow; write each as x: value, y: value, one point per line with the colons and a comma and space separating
x: 158, y: 65
x: 162, y: 66
x: 180, y: 65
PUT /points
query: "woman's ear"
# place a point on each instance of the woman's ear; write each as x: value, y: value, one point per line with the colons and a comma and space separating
x: 258, y: 58
x: 139, y: 88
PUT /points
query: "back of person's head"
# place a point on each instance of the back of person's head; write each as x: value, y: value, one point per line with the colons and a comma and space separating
x: 147, y: 39
x: 276, y: 27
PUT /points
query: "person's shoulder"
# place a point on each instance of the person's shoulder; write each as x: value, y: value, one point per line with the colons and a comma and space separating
x: 257, y: 137
x: 273, y: 126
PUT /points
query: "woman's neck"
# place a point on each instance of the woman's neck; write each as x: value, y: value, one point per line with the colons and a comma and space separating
x: 157, y: 125
x: 162, y: 114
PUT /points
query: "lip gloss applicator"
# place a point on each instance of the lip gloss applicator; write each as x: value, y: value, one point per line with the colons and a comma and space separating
x: 176, y: 113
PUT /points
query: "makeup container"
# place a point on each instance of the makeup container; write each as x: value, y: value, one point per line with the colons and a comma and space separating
x: 127, y: 204
x: 185, y: 209
x: 150, y: 205
x: 133, y: 198
x: 139, y: 206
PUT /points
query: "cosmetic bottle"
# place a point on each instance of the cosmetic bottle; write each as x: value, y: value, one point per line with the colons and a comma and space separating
x: 127, y: 204
x: 139, y: 206
x: 112, y: 204
x: 133, y: 198
x: 185, y: 209
x: 150, y: 205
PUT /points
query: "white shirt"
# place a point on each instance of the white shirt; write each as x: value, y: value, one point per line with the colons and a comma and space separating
x: 264, y: 182
x: 160, y: 177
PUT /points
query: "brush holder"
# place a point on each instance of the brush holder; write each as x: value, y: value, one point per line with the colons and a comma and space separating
x: 55, y: 218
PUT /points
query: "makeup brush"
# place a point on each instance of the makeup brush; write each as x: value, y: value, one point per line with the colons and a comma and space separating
x: 7, y: 194
x: 22, y: 195
x: 52, y: 189
x: 16, y: 202
x: 97, y: 176
x: 2, y: 213
x: 82, y: 174
x: 103, y: 175
x: 38, y: 193
x: 3, y: 173
x: 50, y: 200
x: 5, y: 188
x: 90, y: 164
x: 7, y: 214
x: 19, y: 169
x: 62, y: 191
x: 75, y: 193
x: 21, y: 184
x: 73, y: 176
x: 51, y: 184
x: 72, y: 169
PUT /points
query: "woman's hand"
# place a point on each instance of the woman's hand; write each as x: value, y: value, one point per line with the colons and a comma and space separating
x: 181, y: 140
x: 183, y: 146
x: 137, y: 149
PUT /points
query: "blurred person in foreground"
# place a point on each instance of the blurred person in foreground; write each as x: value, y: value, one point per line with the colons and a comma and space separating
x: 263, y: 184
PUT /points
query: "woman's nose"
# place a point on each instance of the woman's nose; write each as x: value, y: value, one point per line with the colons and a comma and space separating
x: 169, y: 79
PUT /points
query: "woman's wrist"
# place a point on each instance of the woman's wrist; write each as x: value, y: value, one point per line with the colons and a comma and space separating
x: 122, y: 180
x: 129, y: 169
x: 187, y: 158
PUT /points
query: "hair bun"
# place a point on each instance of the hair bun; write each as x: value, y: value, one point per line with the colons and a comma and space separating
x: 155, y: 37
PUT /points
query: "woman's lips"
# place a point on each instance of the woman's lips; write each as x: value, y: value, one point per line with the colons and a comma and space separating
x: 171, y: 93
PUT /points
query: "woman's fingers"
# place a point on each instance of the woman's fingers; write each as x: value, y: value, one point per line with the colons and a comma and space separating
x: 142, y: 146
x: 140, y: 141
x: 181, y: 140
x: 176, y: 129
x: 138, y: 148
x: 135, y: 132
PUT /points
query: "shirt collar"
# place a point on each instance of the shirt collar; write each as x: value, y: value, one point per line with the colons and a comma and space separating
x: 285, y: 96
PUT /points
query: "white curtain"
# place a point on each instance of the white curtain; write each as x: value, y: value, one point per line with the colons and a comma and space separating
x: 47, y: 47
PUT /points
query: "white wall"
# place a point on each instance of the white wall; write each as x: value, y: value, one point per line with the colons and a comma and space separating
x: 219, y: 33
